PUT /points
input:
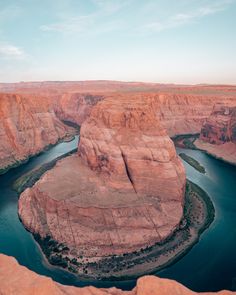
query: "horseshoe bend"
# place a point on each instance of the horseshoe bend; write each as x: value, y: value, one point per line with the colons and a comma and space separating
x: 121, y: 198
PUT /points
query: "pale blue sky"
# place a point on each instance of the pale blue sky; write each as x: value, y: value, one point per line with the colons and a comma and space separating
x: 175, y: 41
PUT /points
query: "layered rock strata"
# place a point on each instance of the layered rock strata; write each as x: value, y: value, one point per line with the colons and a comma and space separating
x: 185, y: 114
x: 218, y: 134
x: 27, y: 126
x: 75, y: 107
x: 18, y: 280
x: 123, y: 192
x: 181, y: 108
x: 179, y: 113
x: 220, y: 127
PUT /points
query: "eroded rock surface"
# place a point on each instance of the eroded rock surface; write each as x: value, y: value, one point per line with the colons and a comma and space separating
x: 218, y: 134
x: 18, y: 280
x: 123, y: 192
x: 27, y: 126
x: 181, y: 108
x: 179, y: 113
x: 220, y: 127
x: 185, y: 113
x: 75, y: 107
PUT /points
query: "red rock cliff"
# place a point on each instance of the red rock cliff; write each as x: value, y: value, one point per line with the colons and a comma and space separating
x: 27, y: 126
x: 218, y: 134
x: 220, y: 127
x: 182, y: 109
x: 179, y: 113
x: 128, y: 178
x: 125, y: 140
x: 75, y: 107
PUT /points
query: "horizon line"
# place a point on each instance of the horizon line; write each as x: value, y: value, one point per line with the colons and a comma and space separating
x: 121, y: 81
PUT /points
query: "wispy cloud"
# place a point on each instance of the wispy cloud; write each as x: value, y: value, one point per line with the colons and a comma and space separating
x: 180, y: 19
x: 97, y: 22
x: 9, y: 51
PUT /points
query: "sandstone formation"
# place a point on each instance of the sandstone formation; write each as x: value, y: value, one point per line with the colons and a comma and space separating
x: 220, y: 127
x: 179, y: 113
x: 27, y: 126
x: 75, y: 107
x: 185, y: 114
x: 218, y: 134
x: 181, y: 108
x: 18, y: 280
x: 123, y: 192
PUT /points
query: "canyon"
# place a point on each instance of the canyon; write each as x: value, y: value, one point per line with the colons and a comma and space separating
x: 181, y: 108
x: 75, y: 107
x: 30, y: 121
x: 127, y: 177
x: 27, y: 126
x: 11, y: 274
x: 218, y: 133
x: 33, y: 118
x: 90, y: 202
x: 179, y: 113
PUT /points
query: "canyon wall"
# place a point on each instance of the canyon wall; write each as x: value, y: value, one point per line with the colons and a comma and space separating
x: 181, y: 108
x: 185, y: 114
x: 220, y: 126
x: 27, y: 126
x: 126, y: 179
x: 18, y: 280
x: 179, y: 113
x: 218, y: 133
x: 75, y: 107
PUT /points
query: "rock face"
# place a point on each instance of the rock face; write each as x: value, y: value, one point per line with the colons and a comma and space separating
x: 27, y: 126
x: 179, y: 113
x: 220, y: 127
x: 181, y: 108
x: 18, y: 280
x: 184, y: 113
x: 75, y: 107
x: 126, y: 179
x: 218, y: 134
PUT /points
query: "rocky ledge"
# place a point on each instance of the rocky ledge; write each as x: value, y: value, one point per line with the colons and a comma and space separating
x: 18, y: 280
x: 75, y: 107
x: 27, y: 126
x: 218, y: 134
x: 122, y: 193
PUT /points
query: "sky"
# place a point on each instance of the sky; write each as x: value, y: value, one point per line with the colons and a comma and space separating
x: 164, y: 41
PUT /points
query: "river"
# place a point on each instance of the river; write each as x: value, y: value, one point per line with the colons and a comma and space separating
x: 209, y: 266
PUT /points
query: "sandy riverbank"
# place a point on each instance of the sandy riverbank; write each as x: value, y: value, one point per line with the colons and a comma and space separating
x: 225, y: 152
